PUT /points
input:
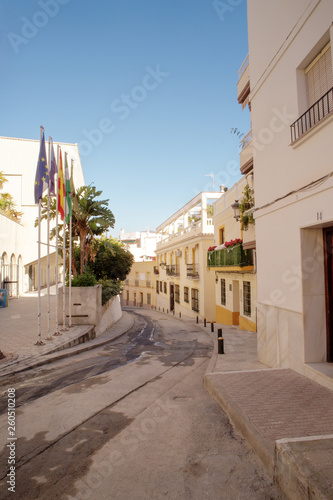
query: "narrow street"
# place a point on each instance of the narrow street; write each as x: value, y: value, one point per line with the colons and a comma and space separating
x: 129, y: 420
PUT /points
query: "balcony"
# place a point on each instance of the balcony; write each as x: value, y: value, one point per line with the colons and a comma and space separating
x: 192, y: 271
x: 246, y: 154
x: 227, y: 257
x: 172, y: 270
x: 156, y: 270
x: 148, y: 283
x: 243, y: 85
x: 316, y: 113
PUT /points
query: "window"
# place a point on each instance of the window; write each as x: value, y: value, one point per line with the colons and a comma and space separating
x: 157, y: 287
x: 223, y: 295
x: 318, y: 75
x: 177, y: 299
x: 247, y: 298
x: 221, y: 235
x: 195, y: 299
x: 165, y: 287
x: 148, y: 299
x: 319, y: 87
x: 186, y: 299
x: 160, y: 286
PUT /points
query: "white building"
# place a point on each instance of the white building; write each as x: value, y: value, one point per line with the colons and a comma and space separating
x: 18, y: 240
x: 291, y: 96
x: 184, y: 283
x: 142, y: 244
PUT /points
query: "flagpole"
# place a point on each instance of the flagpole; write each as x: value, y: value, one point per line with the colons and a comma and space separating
x: 64, y: 272
x: 39, y: 341
x: 64, y: 276
x: 57, y: 245
x: 70, y: 263
x: 48, y: 247
x: 70, y: 272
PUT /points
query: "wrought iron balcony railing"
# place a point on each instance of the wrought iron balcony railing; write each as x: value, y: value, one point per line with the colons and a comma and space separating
x: 172, y: 270
x: 234, y: 256
x: 312, y: 116
x: 192, y: 270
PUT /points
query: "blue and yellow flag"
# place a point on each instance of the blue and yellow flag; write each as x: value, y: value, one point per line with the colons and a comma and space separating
x: 42, y: 173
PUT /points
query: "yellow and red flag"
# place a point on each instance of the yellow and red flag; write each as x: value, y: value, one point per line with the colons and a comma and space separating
x: 61, y: 189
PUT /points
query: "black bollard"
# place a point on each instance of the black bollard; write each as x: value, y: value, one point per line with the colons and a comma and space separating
x: 219, y: 332
x: 204, y: 321
x: 167, y: 311
x: 163, y: 309
x: 220, y: 346
x: 212, y: 326
x: 173, y: 312
x: 180, y: 314
x: 197, y: 319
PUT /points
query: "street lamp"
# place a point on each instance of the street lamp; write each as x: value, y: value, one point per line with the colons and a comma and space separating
x: 235, y: 207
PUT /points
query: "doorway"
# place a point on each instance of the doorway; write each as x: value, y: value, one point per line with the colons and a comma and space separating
x: 172, y: 298
x: 328, y: 252
x: 236, y: 302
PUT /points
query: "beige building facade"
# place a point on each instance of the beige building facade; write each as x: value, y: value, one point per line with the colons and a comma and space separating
x: 232, y: 263
x: 184, y: 284
x: 291, y: 96
x: 140, y: 285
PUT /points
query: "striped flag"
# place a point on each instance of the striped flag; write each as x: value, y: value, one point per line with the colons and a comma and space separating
x: 42, y: 174
x: 68, y: 192
x: 53, y: 172
x: 61, y: 189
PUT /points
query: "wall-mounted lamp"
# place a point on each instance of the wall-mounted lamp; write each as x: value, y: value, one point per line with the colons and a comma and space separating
x: 235, y: 207
x: 216, y: 278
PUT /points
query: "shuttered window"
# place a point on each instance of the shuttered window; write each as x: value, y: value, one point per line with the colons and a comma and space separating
x: 319, y: 76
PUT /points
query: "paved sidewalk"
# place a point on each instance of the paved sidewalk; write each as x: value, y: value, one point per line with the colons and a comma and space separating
x: 19, y: 334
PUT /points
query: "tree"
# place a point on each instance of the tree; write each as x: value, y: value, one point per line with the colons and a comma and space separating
x: 2, y: 179
x: 90, y: 218
x: 93, y: 218
x: 8, y: 206
x: 112, y: 260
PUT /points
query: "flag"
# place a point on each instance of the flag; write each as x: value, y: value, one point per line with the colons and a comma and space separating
x: 75, y: 203
x: 68, y: 192
x: 53, y: 171
x: 42, y: 173
x: 61, y: 189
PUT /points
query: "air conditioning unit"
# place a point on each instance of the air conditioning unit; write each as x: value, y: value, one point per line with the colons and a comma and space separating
x: 178, y: 253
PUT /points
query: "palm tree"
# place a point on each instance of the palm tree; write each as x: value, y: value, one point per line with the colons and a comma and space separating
x: 2, y: 179
x: 93, y: 218
x: 90, y: 218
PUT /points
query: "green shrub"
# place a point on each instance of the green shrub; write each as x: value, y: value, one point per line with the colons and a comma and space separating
x: 86, y: 279
x: 110, y: 288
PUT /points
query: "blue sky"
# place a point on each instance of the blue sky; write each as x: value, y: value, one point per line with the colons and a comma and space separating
x: 146, y: 88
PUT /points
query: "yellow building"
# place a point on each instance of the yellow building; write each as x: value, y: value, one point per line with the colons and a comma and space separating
x: 184, y: 284
x: 232, y: 263
x: 140, y: 285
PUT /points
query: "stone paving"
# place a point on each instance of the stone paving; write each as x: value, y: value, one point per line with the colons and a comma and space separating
x: 282, y: 414
x: 19, y: 324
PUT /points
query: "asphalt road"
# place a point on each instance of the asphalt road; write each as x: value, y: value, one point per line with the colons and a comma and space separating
x: 129, y: 420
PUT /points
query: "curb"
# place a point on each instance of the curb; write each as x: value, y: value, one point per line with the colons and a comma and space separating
x: 64, y: 352
x: 242, y: 424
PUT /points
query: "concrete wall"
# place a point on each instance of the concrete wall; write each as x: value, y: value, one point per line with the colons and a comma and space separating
x: 87, y: 308
x: 111, y: 313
